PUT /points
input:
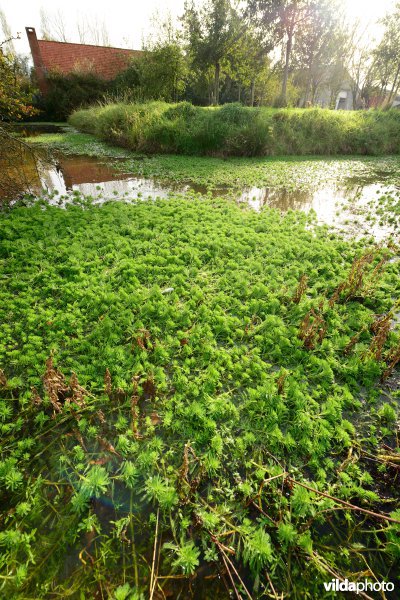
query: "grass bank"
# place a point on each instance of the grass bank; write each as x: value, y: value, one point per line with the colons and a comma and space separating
x: 234, y: 130
x: 185, y: 380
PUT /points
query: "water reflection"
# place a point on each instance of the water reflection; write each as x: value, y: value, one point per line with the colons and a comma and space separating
x: 35, y: 129
x: 343, y: 207
x: 102, y: 181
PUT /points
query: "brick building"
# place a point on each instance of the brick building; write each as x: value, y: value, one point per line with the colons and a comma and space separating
x: 65, y: 57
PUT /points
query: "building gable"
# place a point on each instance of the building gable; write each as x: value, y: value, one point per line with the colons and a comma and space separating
x: 65, y: 58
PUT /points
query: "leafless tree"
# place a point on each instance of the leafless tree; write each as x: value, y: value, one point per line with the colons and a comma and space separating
x: 98, y: 33
x: 45, y: 26
x: 359, y: 62
x: 82, y: 28
x: 88, y: 31
x: 5, y: 34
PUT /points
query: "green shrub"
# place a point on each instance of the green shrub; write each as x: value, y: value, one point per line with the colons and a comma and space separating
x: 235, y: 130
x: 69, y: 92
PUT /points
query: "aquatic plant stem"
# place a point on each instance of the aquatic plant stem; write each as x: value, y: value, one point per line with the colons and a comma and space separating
x: 226, y: 557
x: 135, y: 567
x: 153, y: 578
x: 231, y: 578
x: 347, y: 504
x: 323, y: 564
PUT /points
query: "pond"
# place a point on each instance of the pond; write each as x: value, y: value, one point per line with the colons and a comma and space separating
x: 345, y: 208
x: 349, y: 208
x: 211, y: 395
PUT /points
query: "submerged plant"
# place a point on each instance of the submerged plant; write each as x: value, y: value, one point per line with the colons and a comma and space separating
x: 179, y: 412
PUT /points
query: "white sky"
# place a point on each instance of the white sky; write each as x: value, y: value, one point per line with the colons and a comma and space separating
x: 128, y: 20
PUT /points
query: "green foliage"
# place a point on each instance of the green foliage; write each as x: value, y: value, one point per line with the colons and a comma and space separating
x: 125, y: 592
x: 387, y: 413
x: 257, y: 550
x: 67, y: 93
x: 129, y: 474
x: 241, y: 131
x: 393, y: 536
x: 386, y: 66
x: 287, y: 533
x: 159, y: 490
x: 187, y: 557
x: 16, y: 94
x: 95, y: 482
x: 161, y: 72
x: 211, y: 33
x: 181, y: 449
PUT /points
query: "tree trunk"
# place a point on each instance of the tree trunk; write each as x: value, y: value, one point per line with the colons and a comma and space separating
x: 309, y: 91
x: 394, y: 89
x: 381, y: 96
x: 253, y: 89
x: 286, y: 69
x: 239, y: 92
x: 216, y: 83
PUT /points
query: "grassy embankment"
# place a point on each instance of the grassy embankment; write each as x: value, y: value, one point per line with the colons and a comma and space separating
x: 214, y: 373
x: 234, y: 130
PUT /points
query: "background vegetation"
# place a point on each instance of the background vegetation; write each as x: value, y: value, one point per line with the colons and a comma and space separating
x: 16, y: 98
x: 67, y: 92
x: 259, y: 52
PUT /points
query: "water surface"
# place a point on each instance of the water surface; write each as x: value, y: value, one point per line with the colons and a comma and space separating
x: 348, y: 208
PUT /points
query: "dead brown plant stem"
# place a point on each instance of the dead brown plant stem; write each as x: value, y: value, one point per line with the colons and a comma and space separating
x: 336, y: 575
x: 347, y: 504
x: 219, y: 545
x: 238, y: 596
x: 153, y: 577
x: 271, y: 585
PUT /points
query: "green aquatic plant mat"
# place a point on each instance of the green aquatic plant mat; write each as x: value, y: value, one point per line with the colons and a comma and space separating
x: 289, y: 172
x: 194, y: 398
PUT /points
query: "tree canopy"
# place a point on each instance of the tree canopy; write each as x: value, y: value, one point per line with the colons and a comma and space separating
x: 15, y: 93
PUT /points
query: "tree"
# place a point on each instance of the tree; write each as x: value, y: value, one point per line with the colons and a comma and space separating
x: 281, y: 19
x: 387, y: 57
x: 248, y: 63
x: 15, y: 94
x: 162, y: 72
x: 359, y: 63
x: 199, y: 76
x: 89, y: 31
x: 162, y: 69
x: 16, y: 157
x: 6, y: 35
x: 212, y: 32
x: 319, y: 47
x: 53, y: 26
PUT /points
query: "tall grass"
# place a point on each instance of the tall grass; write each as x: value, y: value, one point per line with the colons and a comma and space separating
x: 235, y: 130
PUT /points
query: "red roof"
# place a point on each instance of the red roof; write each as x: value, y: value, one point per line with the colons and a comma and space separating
x: 65, y: 57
